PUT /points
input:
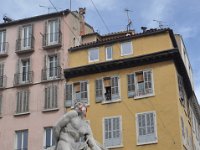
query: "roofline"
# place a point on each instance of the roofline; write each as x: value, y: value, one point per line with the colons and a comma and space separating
x: 40, y: 17
x: 125, y: 38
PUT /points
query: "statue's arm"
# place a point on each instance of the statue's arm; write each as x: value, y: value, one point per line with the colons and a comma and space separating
x: 62, y: 122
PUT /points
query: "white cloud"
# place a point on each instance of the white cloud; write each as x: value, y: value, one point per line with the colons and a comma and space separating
x: 187, y: 31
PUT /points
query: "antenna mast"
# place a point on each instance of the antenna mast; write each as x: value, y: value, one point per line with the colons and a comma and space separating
x: 160, y: 23
x: 129, y: 20
x: 46, y: 7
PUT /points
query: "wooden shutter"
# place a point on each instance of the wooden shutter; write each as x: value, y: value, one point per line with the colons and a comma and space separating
x: 99, y: 90
x: 148, y: 82
x: 46, y: 98
x: 45, y: 37
x: 114, y: 88
x: 131, y: 85
x: 84, y: 92
x: 68, y: 101
x: 146, y: 128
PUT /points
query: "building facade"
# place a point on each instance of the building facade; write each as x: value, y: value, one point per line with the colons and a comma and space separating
x: 33, y: 53
x: 138, y: 88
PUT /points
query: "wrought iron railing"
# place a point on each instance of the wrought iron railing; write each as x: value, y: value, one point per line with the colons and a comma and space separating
x: 52, y: 39
x: 25, y: 44
x: 23, y: 78
x: 51, y: 73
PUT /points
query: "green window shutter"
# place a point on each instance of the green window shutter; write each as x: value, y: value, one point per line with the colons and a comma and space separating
x: 68, y: 94
x: 1, y: 104
x: 99, y: 90
x: 46, y: 98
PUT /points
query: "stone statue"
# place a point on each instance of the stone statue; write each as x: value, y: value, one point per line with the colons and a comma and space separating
x: 73, y: 132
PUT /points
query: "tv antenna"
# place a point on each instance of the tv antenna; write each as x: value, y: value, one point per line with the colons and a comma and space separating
x: 47, y: 7
x: 160, y: 23
x: 128, y: 17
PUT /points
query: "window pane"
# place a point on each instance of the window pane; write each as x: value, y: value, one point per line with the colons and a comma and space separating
x: 109, y: 53
x: 126, y: 48
x: 48, y: 137
x: 93, y: 54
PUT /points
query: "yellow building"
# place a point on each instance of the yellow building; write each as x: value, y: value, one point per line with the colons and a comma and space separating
x: 138, y: 88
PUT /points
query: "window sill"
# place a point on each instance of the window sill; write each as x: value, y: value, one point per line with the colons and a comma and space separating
x: 111, y: 101
x: 51, y: 79
x: 117, y: 146
x: 143, y: 96
x: 50, y: 110
x: 147, y: 143
x: 22, y: 114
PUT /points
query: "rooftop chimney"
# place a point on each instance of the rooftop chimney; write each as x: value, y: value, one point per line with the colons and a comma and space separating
x: 82, y: 20
x: 144, y: 29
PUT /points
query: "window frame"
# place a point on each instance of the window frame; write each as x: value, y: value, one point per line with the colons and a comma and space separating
x: 22, y: 140
x: 23, y: 94
x: 45, y: 137
x: 89, y: 54
x: 54, y: 23
x: 136, y: 96
x: 48, y: 91
x: 3, y: 41
x: 131, y: 51
x: 155, y: 127
x: 120, y: 128
x: 26, y: 38
x: 106, y: 51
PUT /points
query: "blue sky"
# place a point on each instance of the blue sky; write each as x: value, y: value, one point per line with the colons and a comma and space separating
x: 183, y: 16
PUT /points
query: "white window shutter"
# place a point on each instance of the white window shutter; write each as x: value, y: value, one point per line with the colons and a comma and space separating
x: 148, y: 82
x: 99, y: 90
x: 68, y: 101
x: 114, y: 88
x: 146, y: 128
x: 131, y: 85
x: 84, y: 92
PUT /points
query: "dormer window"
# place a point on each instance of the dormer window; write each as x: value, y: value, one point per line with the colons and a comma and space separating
x: 126, y: 48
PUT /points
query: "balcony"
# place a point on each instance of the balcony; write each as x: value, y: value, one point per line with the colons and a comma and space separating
x: 4, y: 49
x: 52, y: 40
x: 53, y: 73
x: 3, y: 80
x: 23, y: 78
x: 25, y: 45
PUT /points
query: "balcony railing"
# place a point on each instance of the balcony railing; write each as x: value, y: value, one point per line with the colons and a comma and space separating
x: 51, y: 73
x: 25, y: 45
x: 4, y: 48
x: 51, y: 40
x: 23, y: 78
x: 3, y: 81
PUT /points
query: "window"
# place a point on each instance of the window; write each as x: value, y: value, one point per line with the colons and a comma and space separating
x: 107, y: 89
x: 48, y: 137
x: 22, y: 101
x: 76, y: 92
x: 53, y: 31
x: 146, y: 128
x: 112, y: 132
x: 2, y: 80
x: 22, y: 140
x: 109, y: 53
x: 52, y: 69
x: 93, y: 54
x: 25, y: 68
x: 51, y: 97
x: 2, y: 41
x: 181, y: 90
x: 140, y: 84
x: 182, y: 127
x: 126, y: 48
x: 1, y: 104
x: 26, y: 37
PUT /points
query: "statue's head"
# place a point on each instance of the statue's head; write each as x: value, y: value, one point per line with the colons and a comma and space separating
x: 81, y: 108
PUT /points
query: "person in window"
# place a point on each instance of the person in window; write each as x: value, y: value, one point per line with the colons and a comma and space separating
x: 72, y: 127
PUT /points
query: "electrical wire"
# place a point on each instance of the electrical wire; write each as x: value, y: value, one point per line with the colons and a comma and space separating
x: 100, y: 16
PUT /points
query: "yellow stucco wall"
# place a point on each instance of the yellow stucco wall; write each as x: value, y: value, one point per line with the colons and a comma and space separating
x: 141, y: 46
x: 164, y: 103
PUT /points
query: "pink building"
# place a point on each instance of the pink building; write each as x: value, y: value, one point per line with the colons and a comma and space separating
x: 33, y: 53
